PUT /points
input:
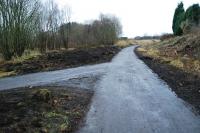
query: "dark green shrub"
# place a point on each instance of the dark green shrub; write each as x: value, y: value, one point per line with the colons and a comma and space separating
x: 193, y: 14
x: 178, y: 19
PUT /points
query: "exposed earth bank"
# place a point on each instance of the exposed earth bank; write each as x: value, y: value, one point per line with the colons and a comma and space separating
x: 57, y: 108
x: 185, y: 85
x: 60, y: 60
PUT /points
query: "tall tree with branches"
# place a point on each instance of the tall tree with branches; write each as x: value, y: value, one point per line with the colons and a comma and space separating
x: 18, y: 19
x: 178, y: 19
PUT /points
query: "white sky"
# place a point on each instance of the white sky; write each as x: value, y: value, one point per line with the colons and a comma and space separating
x: 138, y: 17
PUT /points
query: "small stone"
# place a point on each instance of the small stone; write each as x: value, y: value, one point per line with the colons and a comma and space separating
x: 44, y: 130
x: 21, y: 104
x: 180, y: 84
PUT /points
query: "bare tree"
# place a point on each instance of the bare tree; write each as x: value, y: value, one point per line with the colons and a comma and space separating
x: 17, y: 20
x: 106, y: 30
x: 65, y: 26
x: 26, y: 24
x: 55, y: 33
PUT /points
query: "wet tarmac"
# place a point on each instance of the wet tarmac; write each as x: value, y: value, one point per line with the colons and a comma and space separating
x: 130, y: 98
x: 51, y: 77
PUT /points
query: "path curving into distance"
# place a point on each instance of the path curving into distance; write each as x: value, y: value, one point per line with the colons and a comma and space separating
x: 130, y: 98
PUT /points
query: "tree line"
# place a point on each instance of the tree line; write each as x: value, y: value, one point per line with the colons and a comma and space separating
x: 31, y: 24
x: 186, y: 21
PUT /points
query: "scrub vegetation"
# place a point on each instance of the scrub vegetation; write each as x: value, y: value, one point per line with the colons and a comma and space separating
x: 176, y: 58
x: 34, y: 25
x: 39, y: 36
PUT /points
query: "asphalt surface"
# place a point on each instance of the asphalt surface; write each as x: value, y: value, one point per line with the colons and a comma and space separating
x: 130, y: 98
x: 52, y: 77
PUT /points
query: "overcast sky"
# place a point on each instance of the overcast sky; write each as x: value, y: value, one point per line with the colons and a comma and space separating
x: 138, y: 17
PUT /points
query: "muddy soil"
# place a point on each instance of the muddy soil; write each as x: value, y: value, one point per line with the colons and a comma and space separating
x: 62, y: 59
x: 185, y: 85
x: 43, y: 109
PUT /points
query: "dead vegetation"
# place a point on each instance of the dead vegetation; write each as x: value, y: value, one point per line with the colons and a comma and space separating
x: 129, y: 42
x: 182, y: 52
x: 56, y: 60
x: 43, y: 109
x: 177, y: 61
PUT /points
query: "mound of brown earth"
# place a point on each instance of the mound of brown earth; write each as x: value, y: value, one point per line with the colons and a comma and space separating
x: 43, y: 109
x: 61, y: 60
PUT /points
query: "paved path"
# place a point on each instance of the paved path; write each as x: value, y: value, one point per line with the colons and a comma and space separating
x: 43, y: 78
x: 130, y: 98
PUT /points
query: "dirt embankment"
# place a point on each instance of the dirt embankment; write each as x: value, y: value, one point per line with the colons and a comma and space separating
x: 43, y: 109
x: 60, y: 60
x: 173, y: 61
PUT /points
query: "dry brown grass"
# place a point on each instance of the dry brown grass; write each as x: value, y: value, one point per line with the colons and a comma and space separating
x: 146, y: 42
x: 5, y: 74
x: 124, y: 43
x: 168, y: 52
x: 128, y: 42
x: 28, y: 54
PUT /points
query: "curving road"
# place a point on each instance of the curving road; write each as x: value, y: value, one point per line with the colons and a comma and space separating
x: 130, y: 98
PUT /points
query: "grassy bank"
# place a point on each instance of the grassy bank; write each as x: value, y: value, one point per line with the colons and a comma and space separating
x: 181, y: 52
x: 176, y: 61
